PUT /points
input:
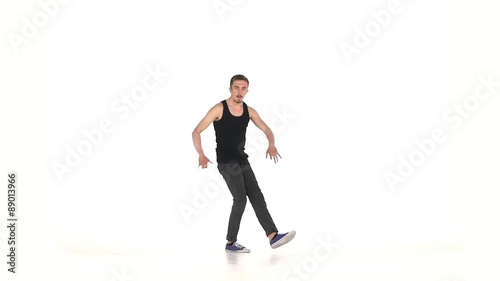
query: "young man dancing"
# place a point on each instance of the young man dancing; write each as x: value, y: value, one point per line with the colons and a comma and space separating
x: 230, y: 118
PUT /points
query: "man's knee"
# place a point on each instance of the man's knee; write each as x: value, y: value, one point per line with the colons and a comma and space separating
x: 256, y: 197
x: 240, y: 201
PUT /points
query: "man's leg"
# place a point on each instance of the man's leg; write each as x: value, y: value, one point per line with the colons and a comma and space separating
x: 258, y: 202
x: 233, y: 176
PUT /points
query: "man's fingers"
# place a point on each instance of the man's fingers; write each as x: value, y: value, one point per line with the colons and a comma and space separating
x: 204, y: 166
x: 273, y: 157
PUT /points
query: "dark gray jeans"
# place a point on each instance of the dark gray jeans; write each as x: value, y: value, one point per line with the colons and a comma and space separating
x: 241, y: 182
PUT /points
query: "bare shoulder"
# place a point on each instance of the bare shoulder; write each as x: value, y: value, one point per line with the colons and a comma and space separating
x: 252, y: 112
x: 216, y: 111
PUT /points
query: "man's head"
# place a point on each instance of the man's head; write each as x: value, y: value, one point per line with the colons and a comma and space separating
x: 238, y: 87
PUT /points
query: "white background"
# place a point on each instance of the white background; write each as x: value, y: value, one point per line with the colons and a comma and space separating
x: 345, y: 124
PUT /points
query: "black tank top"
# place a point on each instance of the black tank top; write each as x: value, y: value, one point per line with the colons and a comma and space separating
x: 230, y: 136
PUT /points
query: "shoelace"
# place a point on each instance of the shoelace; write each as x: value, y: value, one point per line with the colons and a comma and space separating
x: 238, y: 245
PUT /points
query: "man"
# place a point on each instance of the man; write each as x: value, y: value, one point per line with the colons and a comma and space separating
x: 230, y: 118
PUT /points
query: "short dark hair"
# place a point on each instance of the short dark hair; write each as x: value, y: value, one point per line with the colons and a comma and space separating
x: 238, y: 77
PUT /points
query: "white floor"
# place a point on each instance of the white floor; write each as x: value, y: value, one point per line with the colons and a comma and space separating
x: 301, y: 259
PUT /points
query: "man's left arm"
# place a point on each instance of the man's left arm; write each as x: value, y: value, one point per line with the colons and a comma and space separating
x: 271, y: 151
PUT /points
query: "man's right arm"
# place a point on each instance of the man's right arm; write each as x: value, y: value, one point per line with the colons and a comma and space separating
x: 212, y: 115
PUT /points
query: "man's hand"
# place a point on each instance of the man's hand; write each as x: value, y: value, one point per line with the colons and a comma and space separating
x: 273, y: 153
x: 203, y: 162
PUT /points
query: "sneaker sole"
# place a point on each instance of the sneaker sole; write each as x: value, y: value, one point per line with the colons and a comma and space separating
x: 287, y: 238
x: 239, y: 251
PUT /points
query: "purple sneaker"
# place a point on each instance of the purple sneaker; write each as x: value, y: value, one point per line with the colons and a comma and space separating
x: 236, y: 248
x: 281, y: 239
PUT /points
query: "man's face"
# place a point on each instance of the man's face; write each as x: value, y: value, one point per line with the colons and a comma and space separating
x: 238, y: 90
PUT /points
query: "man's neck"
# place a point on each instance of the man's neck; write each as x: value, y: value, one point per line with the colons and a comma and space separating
x: 232, y: 103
